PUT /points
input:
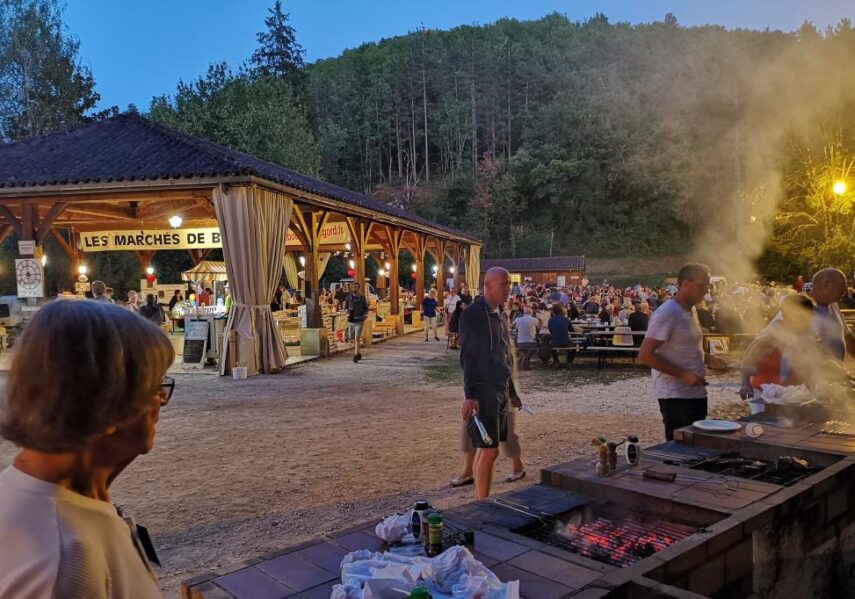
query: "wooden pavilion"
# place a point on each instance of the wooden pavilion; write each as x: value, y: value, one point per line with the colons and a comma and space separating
x: 129, y: 174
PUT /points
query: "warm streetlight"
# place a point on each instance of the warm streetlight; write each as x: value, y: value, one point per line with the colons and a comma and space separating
x: 44, y: 259
x: 302, y: 261
x: 81, y: 269
x: 414, y: 268
x: 175, y: 221
x: 388, y: 266
x: 380, y: 273
x: 451, y: 270
x: 347, y: 246
x: 149, y: 270
x: 839, y: 187
x: 352, y: 264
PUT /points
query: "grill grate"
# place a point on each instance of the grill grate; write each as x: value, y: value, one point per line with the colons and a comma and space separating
x: 620, y: 542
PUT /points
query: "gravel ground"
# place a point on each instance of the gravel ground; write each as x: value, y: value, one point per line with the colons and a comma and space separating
x: 243, y: 468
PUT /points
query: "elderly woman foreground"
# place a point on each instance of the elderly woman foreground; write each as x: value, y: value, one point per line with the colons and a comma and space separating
x: 82, y: 399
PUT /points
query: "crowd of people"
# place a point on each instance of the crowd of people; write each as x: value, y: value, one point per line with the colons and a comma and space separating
x: 55, y: 502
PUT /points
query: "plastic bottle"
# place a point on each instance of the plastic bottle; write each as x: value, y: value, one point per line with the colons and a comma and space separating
x: 417, y: 517
x: 419, y: 593
x: 435, y: 532
x: 632, y: 451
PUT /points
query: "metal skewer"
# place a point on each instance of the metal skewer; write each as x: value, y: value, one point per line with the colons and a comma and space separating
x: 485, y: 437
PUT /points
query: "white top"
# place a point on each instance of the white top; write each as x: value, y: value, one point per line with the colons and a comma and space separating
x: 57, y: 543
x: 526, y: 328
x: 829, y: 325
x: 451, y: 302
x: 683, y: 347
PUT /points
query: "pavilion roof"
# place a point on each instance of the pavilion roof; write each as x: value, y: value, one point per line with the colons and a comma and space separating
x: 130, y: 148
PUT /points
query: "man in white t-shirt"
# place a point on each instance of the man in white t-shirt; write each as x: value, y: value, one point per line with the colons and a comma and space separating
x: 828, y: 286
x: 673, y: 348
x: 526, y: 327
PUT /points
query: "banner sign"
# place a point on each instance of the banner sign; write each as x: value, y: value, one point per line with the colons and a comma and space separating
x: 334, y: 234
x: 152, y: 239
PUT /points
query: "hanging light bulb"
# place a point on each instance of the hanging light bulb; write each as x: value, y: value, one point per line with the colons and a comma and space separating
x: 81, y: 269
x: 175, y: 221
x: 435, y: 269
x: 149, y: 270
x: 302, y: 261
x: 352, y: 264
x: 380, y: 273
x: 388, y: 266
x: 451, y: 270
x: 347, y: 246
x: 44, y: 259
x: 414, y: 268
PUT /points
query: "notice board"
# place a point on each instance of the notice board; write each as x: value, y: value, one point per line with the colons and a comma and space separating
x: 195, y: 343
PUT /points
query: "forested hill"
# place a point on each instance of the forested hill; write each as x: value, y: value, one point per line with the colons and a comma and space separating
x: 605, y: 139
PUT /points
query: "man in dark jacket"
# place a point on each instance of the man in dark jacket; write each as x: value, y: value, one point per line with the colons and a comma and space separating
x: 487, y: 362
x: 357, y: 312
x: 151, y: 311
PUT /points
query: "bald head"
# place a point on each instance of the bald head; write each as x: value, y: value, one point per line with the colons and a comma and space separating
x: 828, y: 286
x: 497, y: 286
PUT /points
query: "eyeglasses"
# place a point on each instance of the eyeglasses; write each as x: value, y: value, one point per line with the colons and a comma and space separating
x: 166, y: 389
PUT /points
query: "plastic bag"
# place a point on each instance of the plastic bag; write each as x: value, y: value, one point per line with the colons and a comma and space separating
x: 777, y: 394
x: 393, y: 528
x: 346, y: 591
x: 454, y: 574
x: 454, y: 564
x: 361, y: 566
x: 476, y: 587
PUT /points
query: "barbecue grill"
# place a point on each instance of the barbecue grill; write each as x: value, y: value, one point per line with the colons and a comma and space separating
x: 608, y: 535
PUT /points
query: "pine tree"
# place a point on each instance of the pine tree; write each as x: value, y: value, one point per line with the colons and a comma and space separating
x: 279, y: 54
x: 43, y: 85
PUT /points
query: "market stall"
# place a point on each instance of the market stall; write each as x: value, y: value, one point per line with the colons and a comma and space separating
x: 204, y: 321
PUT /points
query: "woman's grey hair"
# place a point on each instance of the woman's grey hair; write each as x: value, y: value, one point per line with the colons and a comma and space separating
x: 80, y: 367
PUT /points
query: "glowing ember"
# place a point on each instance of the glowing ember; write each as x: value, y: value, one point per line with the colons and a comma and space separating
x: 620, y: 544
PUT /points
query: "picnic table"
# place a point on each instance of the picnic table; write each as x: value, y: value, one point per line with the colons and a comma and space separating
x: 602, y: 342
x: 599, y: 342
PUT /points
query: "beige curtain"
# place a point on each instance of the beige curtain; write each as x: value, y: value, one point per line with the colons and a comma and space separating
x: 323, y: 260
x: 473, y: 268
x: 291, y: 270
x: 253, y: 223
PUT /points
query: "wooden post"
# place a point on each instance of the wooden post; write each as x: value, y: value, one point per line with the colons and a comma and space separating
x: 418, y: 250
x: 309, y: 227
x: 313, y: 304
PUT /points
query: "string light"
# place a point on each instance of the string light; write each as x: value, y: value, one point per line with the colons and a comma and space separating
x: 175, y: 221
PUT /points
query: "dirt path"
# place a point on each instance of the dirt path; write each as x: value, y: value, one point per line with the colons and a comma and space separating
x: 240, y: 469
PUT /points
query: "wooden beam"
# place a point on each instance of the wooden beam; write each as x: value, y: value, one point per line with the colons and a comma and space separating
x: 47, y: 221
x: 66, y: 247
x: 151, y: 195
x: 158, y: 209
x: 10, y: 219
x: 106, y: 210
x: 5, y: 231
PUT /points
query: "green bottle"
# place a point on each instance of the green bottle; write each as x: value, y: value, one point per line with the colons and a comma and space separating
x: 435, y: 534
x: 419, y: 593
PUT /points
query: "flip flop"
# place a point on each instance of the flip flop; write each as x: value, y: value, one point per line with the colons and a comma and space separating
x: 515, y: 476
x: 460, y: 482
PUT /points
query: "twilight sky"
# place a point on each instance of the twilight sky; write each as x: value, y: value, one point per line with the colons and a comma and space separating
x: 141, y: 48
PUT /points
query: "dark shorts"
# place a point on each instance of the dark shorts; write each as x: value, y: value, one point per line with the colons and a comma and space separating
x: 679, y: 412
x: 493, y: 405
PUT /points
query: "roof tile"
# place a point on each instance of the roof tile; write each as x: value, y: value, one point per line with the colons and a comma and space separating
x: 129, y: 147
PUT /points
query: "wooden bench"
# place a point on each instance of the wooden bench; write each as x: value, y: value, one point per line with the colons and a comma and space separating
x: 603, y: 352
